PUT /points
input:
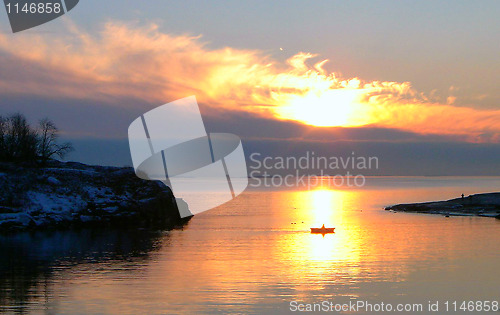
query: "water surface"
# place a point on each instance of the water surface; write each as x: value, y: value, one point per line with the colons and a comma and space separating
x: 255, y: 254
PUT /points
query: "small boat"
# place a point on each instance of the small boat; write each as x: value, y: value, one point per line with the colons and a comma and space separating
x: 323, y: 230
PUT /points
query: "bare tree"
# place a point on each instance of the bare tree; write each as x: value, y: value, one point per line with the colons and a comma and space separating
x: 47, y: 142
x: 3, y: 136
x: 18, y: 142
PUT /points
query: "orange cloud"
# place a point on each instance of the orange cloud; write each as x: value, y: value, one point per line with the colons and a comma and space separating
x: 144, y: 63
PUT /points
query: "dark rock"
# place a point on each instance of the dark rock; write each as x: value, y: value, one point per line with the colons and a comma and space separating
x: 486, y: 205
x: 53, y: 181
x: 63, y: 195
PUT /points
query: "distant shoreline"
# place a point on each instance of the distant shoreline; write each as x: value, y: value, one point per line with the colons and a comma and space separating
x: 482, y: 205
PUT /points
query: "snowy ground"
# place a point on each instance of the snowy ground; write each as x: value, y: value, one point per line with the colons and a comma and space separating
x: 73, y: 193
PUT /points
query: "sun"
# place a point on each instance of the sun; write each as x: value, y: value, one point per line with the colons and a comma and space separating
x: 331, y: 108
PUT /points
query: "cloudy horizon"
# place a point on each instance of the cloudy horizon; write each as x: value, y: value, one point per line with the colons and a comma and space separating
x: 94, y: 79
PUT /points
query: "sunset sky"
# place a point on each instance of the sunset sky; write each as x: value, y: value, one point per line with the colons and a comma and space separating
x: 415, y: 84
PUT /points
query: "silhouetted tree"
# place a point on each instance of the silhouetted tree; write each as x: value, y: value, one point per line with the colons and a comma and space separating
x: 20, y: 143
x: 47, y: 142
x: 3, y: 131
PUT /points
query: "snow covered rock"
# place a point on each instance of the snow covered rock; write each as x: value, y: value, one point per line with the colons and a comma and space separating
x: 53, y: 181
x: 73, y: 194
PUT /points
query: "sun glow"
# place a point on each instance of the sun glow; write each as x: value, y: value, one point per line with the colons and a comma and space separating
x: 143, y: 64
x: 329, y: 108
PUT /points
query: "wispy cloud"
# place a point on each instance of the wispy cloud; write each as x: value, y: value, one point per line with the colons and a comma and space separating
x: 124, y: 61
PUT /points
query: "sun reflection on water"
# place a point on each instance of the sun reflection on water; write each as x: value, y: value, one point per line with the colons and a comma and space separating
x: 322, y: 259
x: 324, y: 203
x: 250, y: 255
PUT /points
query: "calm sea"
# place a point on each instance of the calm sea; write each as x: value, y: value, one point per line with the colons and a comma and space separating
x: 256, y: 254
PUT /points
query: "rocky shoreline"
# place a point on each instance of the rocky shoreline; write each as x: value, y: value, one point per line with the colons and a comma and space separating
x: 71, y: 195
x: 484, y: 205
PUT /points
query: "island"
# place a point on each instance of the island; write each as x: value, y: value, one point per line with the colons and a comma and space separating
x: 62, y: 195
x: 484, y: 205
